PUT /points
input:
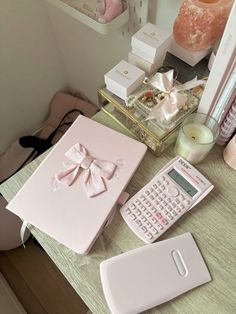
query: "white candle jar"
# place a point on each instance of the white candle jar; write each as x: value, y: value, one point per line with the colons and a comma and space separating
x: 197, y: 136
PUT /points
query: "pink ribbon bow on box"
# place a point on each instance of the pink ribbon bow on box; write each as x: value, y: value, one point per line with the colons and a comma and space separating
x: 94, y: 171
x: 168, y: 107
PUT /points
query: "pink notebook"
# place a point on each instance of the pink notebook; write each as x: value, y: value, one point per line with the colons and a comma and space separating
x: 72, y: 214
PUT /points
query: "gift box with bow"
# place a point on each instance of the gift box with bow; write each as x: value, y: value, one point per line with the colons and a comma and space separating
x: 73, y: 192
x: 165, y: 101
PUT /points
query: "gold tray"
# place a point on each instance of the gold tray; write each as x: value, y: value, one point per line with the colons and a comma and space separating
x: 153, y: 135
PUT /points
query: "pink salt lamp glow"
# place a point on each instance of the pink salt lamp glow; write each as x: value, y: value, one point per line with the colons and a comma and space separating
x: 200, y: 23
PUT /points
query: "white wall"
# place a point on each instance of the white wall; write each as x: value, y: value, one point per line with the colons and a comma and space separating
x: 164, y: 12
x: 88, y: 55
x: 31, y: 70
x: 36, y: 61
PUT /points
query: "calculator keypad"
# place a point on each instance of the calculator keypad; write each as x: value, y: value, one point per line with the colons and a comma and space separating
x: 155, y: 208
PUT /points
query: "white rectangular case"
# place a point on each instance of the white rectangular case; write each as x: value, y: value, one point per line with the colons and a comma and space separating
x: 123, y: 79
x: 153, y: 274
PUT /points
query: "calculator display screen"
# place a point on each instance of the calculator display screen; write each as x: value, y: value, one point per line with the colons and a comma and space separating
x: 176, y: 176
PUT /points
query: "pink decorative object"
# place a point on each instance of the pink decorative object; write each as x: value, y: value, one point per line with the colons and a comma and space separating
x: 200, y: 23
x: 113, y: 8
x: 173, y: 100
x: 229, y: 153
x: 95, y: 170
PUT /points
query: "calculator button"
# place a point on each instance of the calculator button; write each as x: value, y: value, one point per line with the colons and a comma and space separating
x: 154, y: 220
x: 155, y: 185
x: 173, y: 191
x: 181, y: 206
x: 137, y: 212
x: 144, y: 219
x: 174, y: 212
x: 155, y: 193
x: 170, y: 216
x: 160, y: 207
x: 154, y: 231
x: 177, y: 201
x: 149, y: 235
x: 164, y: 203
x: 186, y: 202
x: 142, y: 197
x: 164, y: 195
x: 159, y: 198
x: 151, y: 197
x: 173, y: 204
x: 153, y: 209
x: 168, y: 200
x: 132, y: 216
x: 148, y: 214
x: 165, y: 221
x: 144, y: 229
x: 137, y: 202
x: 159, y: 215
x: 132, y: 206
x: 138, y: 222
x: 163, y: 187
x: 181, y: 197
x: 148, y: 224
x: 159, y: 226
x: 167, y: 182
x: 169, y: 207
x: 127, y: 211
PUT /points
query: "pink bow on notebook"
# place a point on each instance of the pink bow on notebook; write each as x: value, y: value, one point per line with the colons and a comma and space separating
x: 94, y: 171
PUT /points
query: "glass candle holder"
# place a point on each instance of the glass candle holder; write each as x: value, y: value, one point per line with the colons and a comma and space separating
x: 197, y: 136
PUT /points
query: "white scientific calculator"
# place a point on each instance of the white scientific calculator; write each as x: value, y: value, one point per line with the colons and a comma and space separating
x: 174, y: 190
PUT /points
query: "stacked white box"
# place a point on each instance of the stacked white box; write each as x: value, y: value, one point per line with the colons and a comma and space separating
x: 123, y: 79
x: 149, y: 47
x: 144, y: 65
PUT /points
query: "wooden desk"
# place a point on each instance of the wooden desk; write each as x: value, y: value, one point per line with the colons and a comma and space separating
x: 212, y: 224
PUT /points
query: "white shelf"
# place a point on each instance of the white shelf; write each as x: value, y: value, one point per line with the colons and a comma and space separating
x: 101, y: 28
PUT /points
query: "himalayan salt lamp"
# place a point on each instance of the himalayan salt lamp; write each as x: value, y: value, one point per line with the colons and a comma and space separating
x: 200, y: 23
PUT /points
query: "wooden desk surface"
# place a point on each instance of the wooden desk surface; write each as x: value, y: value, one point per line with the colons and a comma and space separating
x: 212, y: 223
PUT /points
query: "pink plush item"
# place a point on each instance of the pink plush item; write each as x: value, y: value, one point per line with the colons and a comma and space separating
x: 113, y: 8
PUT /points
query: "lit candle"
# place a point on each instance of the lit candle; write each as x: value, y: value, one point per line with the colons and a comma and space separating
x: 196, y: 139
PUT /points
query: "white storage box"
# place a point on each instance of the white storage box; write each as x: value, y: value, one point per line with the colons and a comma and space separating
x: 150, y: 42
x: 123, y: 79
x: 188, y: 56
x: 144, y: 65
